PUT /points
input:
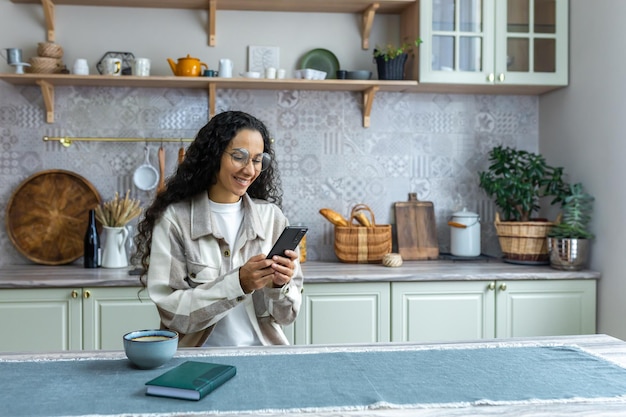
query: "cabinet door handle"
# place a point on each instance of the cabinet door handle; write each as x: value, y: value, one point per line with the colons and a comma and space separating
x: 503, y: 286
x: 501, y: 77
x: 87, y: 294
x: 491, y: 286
x: 74, y: 294
x: 491, y: 77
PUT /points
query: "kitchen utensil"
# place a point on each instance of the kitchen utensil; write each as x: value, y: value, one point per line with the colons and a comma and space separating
x: 464, y: 233
x: 181, y: 153
x: 251, y: 74
x: 359, y: 75
x: 141, y: 67
x: 187, y: 66
x: 80, y: 67
x: 13, y: 56
x: 321, y: 60
x: 225, y: 69
x: 416, y: 229
x: 112, y: 66
x: 161, y: 185
x: 114, y: 251
x: 126, y: 57
x: 149, y: 349
x: 47, y: 216
x: 146, y: 176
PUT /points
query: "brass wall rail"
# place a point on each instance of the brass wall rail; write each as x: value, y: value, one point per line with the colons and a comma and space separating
x: 67, y: 141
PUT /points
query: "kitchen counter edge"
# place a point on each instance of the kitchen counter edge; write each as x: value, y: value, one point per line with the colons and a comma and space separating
x: 42, y: 276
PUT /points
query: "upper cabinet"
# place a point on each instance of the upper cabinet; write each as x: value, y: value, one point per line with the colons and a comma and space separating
x: 493, y: 42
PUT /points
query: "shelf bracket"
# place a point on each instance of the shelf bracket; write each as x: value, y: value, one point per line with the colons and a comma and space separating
x: 367, y: 22
x: 211, y: 28
x: 211, y: 100
x: 368, y: 100
x: 48, y: 11
x: 47, y: 90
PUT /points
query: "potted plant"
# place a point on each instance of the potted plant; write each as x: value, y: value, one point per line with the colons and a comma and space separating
x: 390, y: 59
x: 569, y: 239
x: 517, y: 180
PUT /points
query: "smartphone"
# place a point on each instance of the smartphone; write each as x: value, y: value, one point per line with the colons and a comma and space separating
x: 288, y: 240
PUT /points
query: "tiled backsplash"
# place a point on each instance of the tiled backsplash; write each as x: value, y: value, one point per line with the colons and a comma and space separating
x: 433, y: 145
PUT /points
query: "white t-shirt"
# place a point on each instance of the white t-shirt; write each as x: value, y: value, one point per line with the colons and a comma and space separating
x: 234, y: 329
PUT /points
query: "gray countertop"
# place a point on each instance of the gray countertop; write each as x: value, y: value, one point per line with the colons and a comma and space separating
x: 41, y: 276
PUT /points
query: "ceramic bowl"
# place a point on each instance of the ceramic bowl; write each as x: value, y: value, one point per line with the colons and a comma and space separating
x: 359, y: 75
x: 251, y: 74
x: 149, y: 349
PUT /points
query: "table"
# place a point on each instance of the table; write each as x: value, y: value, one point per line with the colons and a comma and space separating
x: 611, y: 349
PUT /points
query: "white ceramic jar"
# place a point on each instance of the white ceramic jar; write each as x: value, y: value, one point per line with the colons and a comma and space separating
x: 464, y: 233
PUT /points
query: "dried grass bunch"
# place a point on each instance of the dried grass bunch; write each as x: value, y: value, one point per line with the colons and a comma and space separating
x: 118, y: 212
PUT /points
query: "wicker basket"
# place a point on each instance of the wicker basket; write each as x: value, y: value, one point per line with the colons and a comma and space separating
x: 359, y: 244
x: 49, y: 50
x: 524, y: 242
x: 44, y: 65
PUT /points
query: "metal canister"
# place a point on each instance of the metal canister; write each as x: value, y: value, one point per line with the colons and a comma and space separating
x: 464, y: 233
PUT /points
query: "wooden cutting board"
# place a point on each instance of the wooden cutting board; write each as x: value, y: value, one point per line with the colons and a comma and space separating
x: 416, y: 229
x: 47, y: 216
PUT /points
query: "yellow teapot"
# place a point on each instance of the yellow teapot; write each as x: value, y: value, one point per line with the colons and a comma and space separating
x: 187, y: 67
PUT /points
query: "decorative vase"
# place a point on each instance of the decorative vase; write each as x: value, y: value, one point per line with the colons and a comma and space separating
x: 114, y: 252
x: 568, y: 254
x: 392, y: 69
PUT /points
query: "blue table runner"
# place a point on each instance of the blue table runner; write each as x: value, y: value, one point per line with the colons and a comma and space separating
x: 320, y: 381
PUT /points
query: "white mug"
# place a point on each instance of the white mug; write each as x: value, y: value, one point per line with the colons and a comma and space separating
x: 112, y: 66
x: 141, y: 67
x: 281, y: 73
x: 226, y: 68
x: 80, y: 67
x: 270, y: 72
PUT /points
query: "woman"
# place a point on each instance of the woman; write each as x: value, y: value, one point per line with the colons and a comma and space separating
x: 204, y: 240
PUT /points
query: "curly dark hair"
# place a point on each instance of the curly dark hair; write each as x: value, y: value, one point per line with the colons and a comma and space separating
x: 199, y: 170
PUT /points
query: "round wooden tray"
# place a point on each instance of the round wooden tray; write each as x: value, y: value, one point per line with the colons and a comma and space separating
x: 47, y: 216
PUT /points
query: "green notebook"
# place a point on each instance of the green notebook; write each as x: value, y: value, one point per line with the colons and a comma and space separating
x: 190, y: 380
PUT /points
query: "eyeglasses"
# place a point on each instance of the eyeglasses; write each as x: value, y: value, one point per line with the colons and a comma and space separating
x: 241, y: 158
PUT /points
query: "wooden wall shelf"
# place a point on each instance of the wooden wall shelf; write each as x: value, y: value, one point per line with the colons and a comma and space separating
x: 48, y: 82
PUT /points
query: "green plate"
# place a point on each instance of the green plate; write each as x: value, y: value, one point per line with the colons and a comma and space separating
x: 321, y: 60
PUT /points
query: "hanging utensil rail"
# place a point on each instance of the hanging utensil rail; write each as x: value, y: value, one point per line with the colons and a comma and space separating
x: 67, y: 141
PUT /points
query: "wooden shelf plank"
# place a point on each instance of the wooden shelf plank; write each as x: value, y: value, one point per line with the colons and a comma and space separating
x: 203, y: 82
x: 325, y: 6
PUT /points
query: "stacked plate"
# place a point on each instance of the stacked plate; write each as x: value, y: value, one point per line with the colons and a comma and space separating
x: 321, y: 60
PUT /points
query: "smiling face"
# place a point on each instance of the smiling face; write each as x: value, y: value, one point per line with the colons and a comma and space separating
x: 232, y: 179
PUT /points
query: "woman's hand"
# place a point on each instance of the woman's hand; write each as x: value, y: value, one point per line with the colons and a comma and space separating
x: 283, y: 267
x: 256, y: 273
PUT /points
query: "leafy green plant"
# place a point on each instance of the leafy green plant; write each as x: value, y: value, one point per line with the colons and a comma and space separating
x: 517, y: 179
x: 391, y: 51
x: 576, y: 215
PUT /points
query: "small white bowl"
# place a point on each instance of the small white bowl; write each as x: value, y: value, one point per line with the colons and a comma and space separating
x: 149, y: 349
x: 251, y: 74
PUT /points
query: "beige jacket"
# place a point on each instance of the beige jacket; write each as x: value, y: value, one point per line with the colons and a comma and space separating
x: 193, y: 278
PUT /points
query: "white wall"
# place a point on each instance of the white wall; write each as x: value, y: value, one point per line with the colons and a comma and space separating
x: 582, y: 128
x: 89, y: 32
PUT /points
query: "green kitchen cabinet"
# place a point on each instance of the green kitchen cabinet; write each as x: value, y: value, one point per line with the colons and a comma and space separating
x: 56, y: 319
x: 463, y: 310
x: 343, y: 313
x: 489, y: 42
